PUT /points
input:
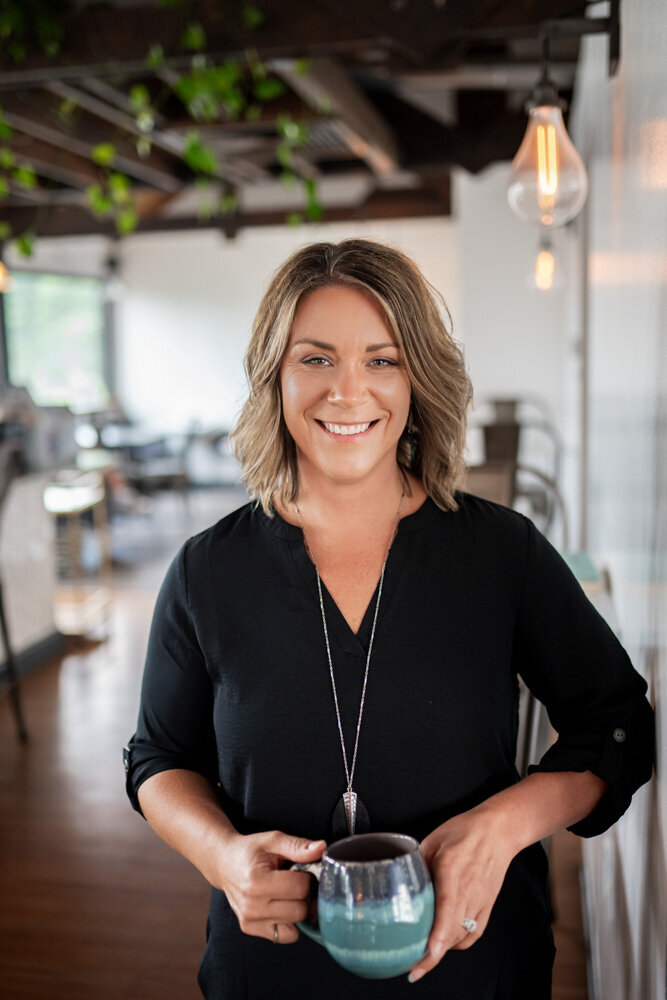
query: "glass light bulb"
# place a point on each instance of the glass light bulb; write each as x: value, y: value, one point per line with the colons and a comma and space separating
x: 548, y: 184
x: 544, y: 270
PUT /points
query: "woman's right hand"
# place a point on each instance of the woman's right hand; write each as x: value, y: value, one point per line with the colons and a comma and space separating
x: 259, y: 892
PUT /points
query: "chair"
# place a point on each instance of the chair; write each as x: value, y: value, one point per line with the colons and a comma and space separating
x: 10, y: 467
x: 491, y: 481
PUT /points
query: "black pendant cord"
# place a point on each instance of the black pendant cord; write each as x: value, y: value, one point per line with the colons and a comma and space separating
x: 350, y: 805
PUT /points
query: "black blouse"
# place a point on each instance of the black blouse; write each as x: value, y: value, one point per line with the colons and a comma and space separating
x: 237, y: 688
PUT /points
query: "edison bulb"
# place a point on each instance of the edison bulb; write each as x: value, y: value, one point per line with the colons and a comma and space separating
x: 548, y: 184
x: 544, y: 270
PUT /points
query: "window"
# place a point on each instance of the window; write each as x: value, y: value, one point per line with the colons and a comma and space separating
x: 55, y: 333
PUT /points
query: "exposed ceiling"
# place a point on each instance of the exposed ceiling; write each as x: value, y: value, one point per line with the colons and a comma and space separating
x: 396, y: 93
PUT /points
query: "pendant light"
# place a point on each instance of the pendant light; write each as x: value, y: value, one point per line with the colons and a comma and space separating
x: 545, y: 273
x: 548, y: 184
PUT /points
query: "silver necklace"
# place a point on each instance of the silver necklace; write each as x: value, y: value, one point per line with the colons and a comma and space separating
x: 349, y: 803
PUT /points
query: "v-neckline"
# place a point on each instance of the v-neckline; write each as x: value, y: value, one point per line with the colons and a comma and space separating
x: 355, y: 643
x: 338, y: 626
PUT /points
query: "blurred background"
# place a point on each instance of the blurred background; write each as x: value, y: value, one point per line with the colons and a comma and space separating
x: 158, y: 161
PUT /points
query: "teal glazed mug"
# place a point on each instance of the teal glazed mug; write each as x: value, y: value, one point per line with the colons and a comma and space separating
x: 374, y: 904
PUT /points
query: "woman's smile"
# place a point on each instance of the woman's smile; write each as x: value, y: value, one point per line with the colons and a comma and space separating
x: 347, y: 432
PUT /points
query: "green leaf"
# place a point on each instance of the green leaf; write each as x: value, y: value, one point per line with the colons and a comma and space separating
x: 4, y: 187
x: 25, y: 176
x: 155, y: 57
x: 284, y: 154
x: 146, y: 120
x: 252, y: 113
x: 194, y: 37
x: 288, y: 177
x: 234, y: 103
x: 104, y: 154
x: 139, y: 98
x: 314, y: 211
x: 229, y: 202
x: 126, y: 220
x: 257, y: 67
x: 143, y: 146
x: 99, y: 201
x: 268, y: 88
x: 17, y: 50
x: 301, y: 66
x: 286, y: 126
x: 200, y: 157
x: 296, y: 133
x: 252, y: 17
x: 294, y: 219
x: 199, y: 63
x: 7, y: 158
x: 25, y: 244
x: 66, y: 108
x: 204, y: 209
x: 5, y: 230
x: 6, y: 130
x: 119, y: 188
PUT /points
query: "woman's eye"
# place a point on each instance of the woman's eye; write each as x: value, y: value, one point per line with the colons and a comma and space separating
x: 318, y: 362
x: 383, y: 363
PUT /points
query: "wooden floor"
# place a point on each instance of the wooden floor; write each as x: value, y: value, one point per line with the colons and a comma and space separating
x: 92, y: 905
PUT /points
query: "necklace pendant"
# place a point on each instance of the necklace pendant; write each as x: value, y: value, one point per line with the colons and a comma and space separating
x: 341, y: 826
x: 350, y: 800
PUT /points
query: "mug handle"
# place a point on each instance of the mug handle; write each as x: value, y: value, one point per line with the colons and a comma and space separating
x: 315, y: 868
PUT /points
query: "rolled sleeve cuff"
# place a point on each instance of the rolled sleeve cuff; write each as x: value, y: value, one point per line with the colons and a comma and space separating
x: 621, y: 753
x: 142, y: 760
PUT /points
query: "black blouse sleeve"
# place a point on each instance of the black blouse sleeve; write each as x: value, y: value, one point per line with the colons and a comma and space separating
x: 175, y: 727
x: 574, y: 664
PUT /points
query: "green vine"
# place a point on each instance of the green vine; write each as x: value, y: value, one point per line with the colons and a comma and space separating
x: 234, y: 89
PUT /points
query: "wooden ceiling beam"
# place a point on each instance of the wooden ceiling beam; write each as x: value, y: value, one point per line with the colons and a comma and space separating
x: 326, y: 84
x: 101, y: 41
x: 54, y: 164
x: 24, y: 118
x: 160, y: 138
x: 381, y: 204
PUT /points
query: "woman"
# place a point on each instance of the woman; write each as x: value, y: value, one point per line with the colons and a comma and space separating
x: 359, y: 629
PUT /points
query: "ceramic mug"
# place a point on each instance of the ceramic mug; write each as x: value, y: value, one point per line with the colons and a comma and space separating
x: 374, y: 904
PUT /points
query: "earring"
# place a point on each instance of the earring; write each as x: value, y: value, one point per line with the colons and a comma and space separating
x: 411, y: 437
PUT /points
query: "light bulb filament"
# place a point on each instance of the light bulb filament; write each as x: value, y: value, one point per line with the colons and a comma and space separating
x: 547, y: 165
x: 544, y: 270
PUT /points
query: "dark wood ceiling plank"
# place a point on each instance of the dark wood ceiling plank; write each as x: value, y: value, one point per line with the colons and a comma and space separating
x: 363, y: 128
x: 55, y: 164
x: 40, y: 119
x: 163, y: 139
x: 424, y: 30
x: 99, y: 41
x: 381, y: 204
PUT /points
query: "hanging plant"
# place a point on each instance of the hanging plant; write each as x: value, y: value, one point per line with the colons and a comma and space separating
x: 234, y: 89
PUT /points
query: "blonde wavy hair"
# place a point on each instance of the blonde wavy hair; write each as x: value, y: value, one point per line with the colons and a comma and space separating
x: 441, y: 388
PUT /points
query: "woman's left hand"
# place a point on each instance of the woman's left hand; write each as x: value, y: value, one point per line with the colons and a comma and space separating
x: 468, y: 857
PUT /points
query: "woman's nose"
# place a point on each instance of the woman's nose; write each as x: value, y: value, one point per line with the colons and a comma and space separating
x: 348, y: 385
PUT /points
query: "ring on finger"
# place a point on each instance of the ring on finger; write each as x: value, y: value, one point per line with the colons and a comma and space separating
x: 275, y: 934
x: 469, y: 925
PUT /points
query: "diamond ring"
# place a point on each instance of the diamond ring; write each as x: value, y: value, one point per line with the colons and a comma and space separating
x: 469, y: 924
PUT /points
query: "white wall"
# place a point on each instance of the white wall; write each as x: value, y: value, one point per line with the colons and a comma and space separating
x: 186, y: 315
x: 620, y: 124
x: 515, y: 344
